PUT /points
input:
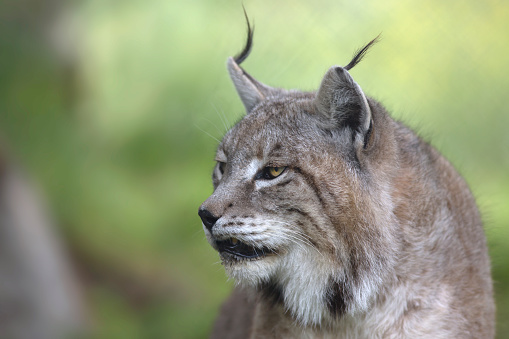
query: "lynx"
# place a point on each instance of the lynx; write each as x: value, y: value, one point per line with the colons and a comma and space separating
x: 336, y: 221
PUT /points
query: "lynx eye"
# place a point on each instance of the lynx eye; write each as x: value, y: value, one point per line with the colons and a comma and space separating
x: 221, y: 166
x: 273, y: 172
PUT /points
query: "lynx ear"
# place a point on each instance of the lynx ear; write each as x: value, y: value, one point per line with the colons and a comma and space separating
x: 250, y: 90
x: 341, y: 100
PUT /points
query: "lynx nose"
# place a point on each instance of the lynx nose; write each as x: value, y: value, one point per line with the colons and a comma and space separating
x: 207, y: 218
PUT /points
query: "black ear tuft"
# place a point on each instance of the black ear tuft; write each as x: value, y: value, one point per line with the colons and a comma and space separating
x: 239, y: 58
x: 361, y: 53
x: 251, y: 91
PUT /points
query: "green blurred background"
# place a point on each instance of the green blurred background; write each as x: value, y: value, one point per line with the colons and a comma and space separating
x: 114, y: 108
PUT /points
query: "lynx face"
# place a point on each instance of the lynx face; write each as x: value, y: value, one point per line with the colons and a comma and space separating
x: 265, y: 190
x: 298, y: 210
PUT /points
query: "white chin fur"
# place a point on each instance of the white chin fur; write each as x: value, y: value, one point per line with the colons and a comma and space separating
x: 304, y: 275
x: 251, y: 273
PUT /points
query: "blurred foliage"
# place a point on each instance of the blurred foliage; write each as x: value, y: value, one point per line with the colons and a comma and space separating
x: 115, y: 108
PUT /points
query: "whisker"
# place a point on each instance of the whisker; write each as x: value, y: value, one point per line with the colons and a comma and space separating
x: 304, y: 238
x: 213, y: 124
x: 223, y: 118
x: 210, y: 135
x: 290, y: 229
x: 297, y: 241
x: 197, y: 233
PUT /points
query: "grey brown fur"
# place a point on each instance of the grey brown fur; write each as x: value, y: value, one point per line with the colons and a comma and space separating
x: 365, y: 230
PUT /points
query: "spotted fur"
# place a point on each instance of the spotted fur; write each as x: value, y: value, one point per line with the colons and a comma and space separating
x: 367, y: 233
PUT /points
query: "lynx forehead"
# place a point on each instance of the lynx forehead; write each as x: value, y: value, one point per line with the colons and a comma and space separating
x: 336, y: 221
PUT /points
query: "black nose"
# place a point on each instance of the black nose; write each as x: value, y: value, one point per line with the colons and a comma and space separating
x: 208, y: 218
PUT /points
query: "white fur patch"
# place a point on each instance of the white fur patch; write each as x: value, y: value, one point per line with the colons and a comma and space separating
x: 252, y: 168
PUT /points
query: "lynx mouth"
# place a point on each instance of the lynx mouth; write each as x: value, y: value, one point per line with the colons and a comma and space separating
x: 239, y: 250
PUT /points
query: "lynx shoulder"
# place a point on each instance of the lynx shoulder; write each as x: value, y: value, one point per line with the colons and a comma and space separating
x: 337, y: 221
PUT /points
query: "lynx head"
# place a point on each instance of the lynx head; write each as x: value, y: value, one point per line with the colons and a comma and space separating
x: 301, y: 209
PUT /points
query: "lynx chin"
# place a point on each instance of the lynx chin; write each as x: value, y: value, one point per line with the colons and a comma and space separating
x: 336, y: 221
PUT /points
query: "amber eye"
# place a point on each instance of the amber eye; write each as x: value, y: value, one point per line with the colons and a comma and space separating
x: 274, y: 172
